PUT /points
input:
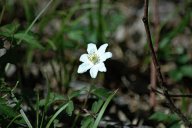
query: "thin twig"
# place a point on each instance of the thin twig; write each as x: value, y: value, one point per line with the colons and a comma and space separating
x: 157, y: 67
x: 153, y: 84
x: 172, y: 95
x: 153, y: 79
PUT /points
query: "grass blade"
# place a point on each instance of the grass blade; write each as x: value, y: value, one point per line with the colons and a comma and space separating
x: 96, y: 123
x: 26, y: 119
x: 22, y: 112
x: 56, y: 114
x: 13, y: 120
x: 36, y: 18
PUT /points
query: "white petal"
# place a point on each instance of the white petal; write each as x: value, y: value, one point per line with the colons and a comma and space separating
x: 102, y: 49
x: 91, y: 48
x: 84, y: 58
x: 94, y: 71
x: 84, y: 67
x: 106, y: 56
x: 101, y: 67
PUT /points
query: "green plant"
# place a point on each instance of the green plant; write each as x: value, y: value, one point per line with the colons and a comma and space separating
x: 170, y: 120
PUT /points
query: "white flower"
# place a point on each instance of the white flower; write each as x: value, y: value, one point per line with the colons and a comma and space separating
x: 94, y: 60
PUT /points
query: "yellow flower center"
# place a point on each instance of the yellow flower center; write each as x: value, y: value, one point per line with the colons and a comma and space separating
x: 94, y: 58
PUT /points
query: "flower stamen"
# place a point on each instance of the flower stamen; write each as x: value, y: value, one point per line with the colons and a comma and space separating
x: 94, y: 58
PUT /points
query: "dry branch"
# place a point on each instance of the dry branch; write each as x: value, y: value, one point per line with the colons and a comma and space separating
x: 163, y: 84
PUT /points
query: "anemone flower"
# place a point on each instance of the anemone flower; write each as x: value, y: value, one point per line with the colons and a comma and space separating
x: 94, y: 60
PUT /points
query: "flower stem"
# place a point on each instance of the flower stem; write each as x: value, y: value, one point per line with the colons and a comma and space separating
x: 85, y: 102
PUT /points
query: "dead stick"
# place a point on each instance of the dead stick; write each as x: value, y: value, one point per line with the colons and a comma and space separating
x: 153, y: 79
x: 157, y: 67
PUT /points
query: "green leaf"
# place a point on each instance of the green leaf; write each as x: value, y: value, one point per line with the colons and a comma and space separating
x: 52, y: 98
x: 87, y: 122
x: 162, y: 117
x: 183, y: 59
x: 4, y: 89
x: 187, y: 70
x: 2, y: 101
x: 17, y: 119
x: 9, y: 29
x: 100, y: 92
x: 70, y: 108
x: 75, y: 93
x: 6, y: 110
x: 28, y: 39
x: 96, y: 106
x: 176, y: 75
x: 176, y: 125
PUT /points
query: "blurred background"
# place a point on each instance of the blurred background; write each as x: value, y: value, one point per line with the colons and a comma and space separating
x: 45, y: 55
